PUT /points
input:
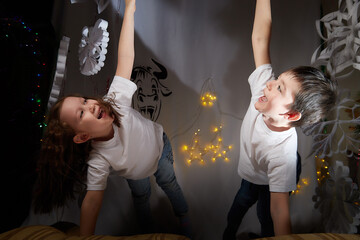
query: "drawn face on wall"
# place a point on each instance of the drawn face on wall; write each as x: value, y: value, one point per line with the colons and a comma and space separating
x: 148, y: 98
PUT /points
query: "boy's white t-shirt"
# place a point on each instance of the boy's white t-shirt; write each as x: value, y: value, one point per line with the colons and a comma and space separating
x: 136, y: 147
x: 266, y: 157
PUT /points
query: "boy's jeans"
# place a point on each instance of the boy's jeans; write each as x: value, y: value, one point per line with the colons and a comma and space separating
x: 166, y: 179
x: 247, y: 196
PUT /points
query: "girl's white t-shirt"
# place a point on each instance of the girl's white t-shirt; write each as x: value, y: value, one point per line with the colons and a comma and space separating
x: 136, y: 147
x: 266, y: 157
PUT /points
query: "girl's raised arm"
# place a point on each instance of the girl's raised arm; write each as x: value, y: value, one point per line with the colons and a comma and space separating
x: 126, y: 51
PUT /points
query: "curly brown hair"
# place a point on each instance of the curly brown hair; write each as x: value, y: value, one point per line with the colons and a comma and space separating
x: 62, y: 164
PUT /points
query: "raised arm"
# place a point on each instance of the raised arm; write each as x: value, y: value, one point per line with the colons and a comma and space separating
x: 261, y: 33
x: 126, y: 52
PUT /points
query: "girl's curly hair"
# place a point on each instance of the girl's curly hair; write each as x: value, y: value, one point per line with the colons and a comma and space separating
x: 62, y: 167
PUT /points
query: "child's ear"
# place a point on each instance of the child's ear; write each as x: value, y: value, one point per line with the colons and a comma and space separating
x: 293, y: 116
x: 81, y: 137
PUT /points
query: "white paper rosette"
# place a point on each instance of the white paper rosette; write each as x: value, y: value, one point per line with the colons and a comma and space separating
x: 92, y: 47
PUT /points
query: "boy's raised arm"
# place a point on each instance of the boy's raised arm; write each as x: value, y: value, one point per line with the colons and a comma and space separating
x: 261, y: 33
x: 126, y: 52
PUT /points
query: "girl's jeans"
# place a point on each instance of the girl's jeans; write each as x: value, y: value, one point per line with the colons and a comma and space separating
x: 248, y: 194
x: 166, y: 179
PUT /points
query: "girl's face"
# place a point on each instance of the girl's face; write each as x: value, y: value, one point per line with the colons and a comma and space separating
x: 87, y: 117
x: 278, y: 97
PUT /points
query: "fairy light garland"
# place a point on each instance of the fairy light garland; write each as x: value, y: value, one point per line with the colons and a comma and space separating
x: 208, y: 99
x: 215, y: 148
x: 302, y: 183
x: 322, y: 173
x: 197, y: 152
x: 30, y: 44
x: 322, y: 169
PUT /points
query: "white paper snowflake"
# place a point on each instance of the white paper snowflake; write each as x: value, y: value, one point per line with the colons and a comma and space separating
x: 334, y: 135
x: 340, y: 51
x: 92, y: 47
x: 337, y: 199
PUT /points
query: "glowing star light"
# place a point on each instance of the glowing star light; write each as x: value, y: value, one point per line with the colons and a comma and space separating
x: 208, y: 99
x: 214, y: 150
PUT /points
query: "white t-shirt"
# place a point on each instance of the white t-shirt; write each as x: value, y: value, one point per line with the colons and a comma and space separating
x: 266, y: 157
x: 136, y: 147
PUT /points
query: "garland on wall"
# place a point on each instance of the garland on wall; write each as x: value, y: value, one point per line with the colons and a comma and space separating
x: 215, y: 149
x: 337, y: 198
x: 60, y: 71
x: 337, y: 194
x: 341, y: 35
x: 15, y: 29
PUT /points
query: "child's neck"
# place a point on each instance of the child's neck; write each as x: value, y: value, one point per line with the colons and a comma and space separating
x: 107, y: 136
x: 274, y: 125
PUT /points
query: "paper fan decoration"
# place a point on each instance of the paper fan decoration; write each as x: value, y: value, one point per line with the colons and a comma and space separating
x: 60, y: 71
x: 92, y: 47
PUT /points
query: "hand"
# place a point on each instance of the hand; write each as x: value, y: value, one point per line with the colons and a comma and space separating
x: 130, y: 5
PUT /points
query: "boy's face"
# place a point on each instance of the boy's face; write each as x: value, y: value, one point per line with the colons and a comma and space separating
x: 86, y: 116
x: 278, y: 96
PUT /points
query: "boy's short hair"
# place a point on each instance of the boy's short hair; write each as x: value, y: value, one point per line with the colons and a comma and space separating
x: 316, y: 97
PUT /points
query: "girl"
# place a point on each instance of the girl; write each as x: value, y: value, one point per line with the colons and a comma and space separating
x: 87, y: 137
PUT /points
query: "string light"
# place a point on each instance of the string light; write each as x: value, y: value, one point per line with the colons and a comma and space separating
x: 322, y: 172
x: 31, y: 45
x: 208, y: 99
x: 213, y: 150
x: 207, y: 94
x: 322, y: 169
x: 302, y: 183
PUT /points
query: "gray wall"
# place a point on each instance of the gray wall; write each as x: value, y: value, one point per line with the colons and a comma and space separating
x: 194, y: 40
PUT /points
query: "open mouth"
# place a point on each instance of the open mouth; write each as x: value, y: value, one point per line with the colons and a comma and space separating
x: 101, y: 114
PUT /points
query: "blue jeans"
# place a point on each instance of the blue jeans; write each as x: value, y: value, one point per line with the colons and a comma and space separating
x: 248, y: 194
x: 166, y: 179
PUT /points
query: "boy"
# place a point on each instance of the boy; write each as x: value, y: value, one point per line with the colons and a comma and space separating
x: 268, y: 141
